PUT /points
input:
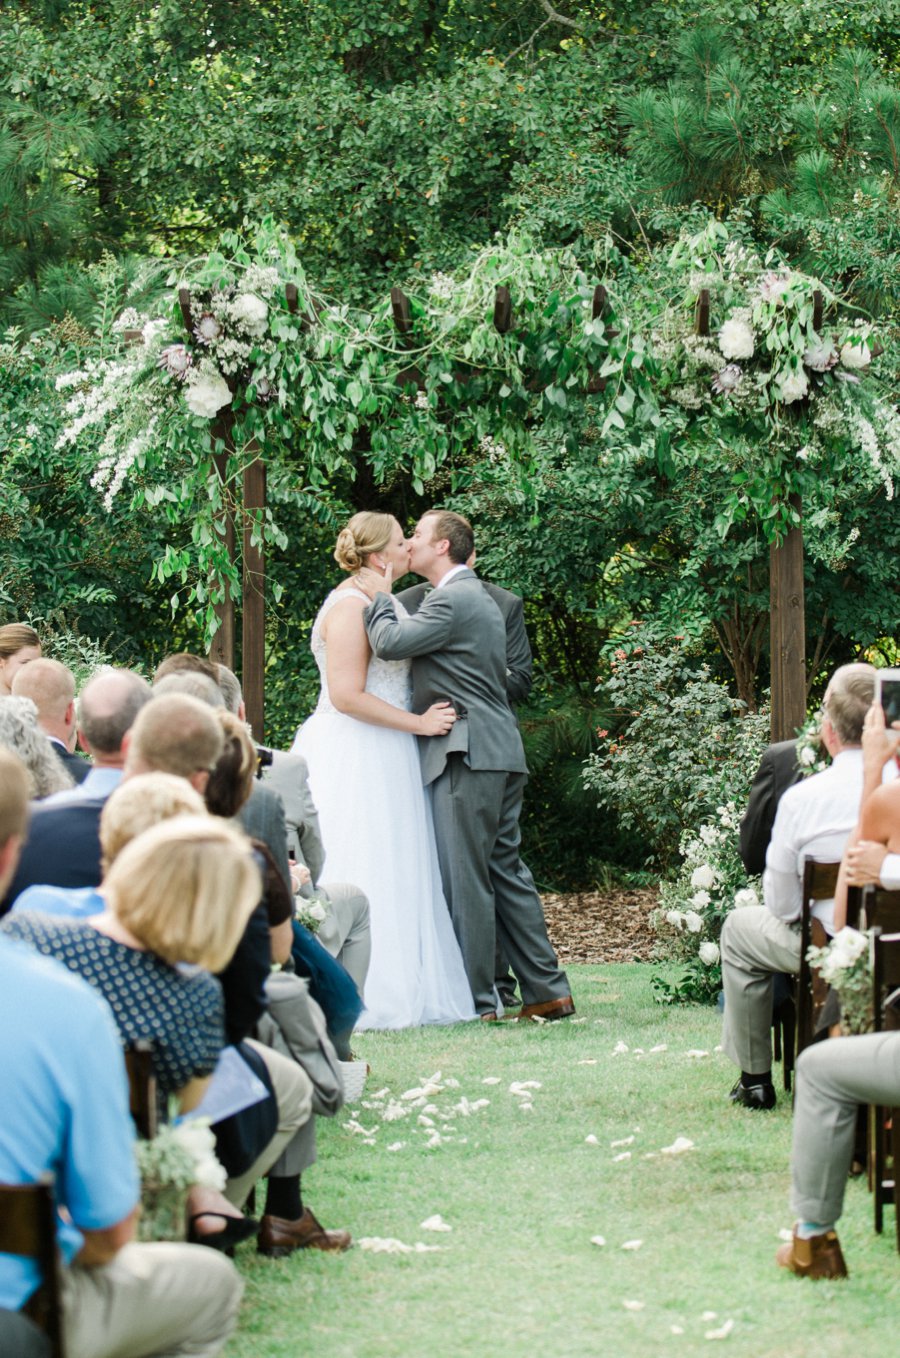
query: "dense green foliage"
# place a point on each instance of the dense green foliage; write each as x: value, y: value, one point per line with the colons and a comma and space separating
x: 449, y: 149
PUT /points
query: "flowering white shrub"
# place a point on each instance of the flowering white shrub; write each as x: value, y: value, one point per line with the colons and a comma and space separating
x: 206, y: 393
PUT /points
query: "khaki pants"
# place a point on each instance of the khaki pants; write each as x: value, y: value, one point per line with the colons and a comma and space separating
x: 164, y: 1300
x: 293, y: 1094
x: 833, y: 1078
x: 754, y: 946
x: 345, y: 931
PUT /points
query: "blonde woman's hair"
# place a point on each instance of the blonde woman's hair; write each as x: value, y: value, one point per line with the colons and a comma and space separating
x: 140, y: 803
x: 15, y: 636
x: 366, y: 533
x: 186, y: 889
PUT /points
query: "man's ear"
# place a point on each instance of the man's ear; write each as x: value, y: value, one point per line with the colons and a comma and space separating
x: 442, y: 546
x: 82, y: 741
x: 9, y: 857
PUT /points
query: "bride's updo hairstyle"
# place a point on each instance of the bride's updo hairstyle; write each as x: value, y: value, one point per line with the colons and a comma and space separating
x: 364, y: 534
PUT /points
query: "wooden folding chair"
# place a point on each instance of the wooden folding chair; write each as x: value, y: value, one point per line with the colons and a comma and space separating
x: 819, y: 884
x: 884, y: 1123
x: 28, y: 1227
x: 142, y: 1089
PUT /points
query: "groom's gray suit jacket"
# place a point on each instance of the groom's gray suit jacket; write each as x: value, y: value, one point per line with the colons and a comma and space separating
x: 458, y: 641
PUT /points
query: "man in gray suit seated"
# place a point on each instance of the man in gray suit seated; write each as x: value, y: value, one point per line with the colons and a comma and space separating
x: 477, y: 771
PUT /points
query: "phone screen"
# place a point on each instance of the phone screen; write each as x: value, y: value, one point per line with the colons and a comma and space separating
x: 890, y: 699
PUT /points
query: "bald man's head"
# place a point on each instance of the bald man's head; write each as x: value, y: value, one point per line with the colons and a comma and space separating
x: 107, y: 709
x: 51, y: 687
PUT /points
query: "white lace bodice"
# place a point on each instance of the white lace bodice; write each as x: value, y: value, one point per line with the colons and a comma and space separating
x: 386, y: 679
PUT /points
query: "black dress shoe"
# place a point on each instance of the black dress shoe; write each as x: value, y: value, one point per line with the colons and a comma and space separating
x: 753, y: 1096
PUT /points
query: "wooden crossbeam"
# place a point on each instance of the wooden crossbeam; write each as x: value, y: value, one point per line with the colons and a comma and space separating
x: 401, y: 309
x: 701, y: 313
x: 502, y: 311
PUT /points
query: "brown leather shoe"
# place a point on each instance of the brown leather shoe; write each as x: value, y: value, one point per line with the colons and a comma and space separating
x: 818, y: 1257
x: 278, y: 1237
x: 549, y: 1010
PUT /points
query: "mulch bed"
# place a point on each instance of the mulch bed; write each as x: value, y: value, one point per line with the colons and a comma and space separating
x: 602, y: 926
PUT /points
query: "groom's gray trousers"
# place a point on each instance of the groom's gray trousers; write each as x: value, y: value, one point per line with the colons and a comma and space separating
x: 490, y: 892
x: 833, y: 1078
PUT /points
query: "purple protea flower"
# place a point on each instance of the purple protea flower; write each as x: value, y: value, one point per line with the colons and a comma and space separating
x: 727, y: 379
x: 176, y: 359
x: 821, y: 356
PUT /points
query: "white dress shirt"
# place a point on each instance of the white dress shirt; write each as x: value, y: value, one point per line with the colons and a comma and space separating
x: 814, y: 820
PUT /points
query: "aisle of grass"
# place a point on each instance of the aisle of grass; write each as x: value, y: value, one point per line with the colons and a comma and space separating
x: 524, y: 1193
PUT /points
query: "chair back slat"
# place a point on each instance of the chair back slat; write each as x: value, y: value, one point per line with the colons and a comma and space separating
x: 881, y: 909
x: 819, y: 884
x: 142, y: 1089
x: 28, y: 1228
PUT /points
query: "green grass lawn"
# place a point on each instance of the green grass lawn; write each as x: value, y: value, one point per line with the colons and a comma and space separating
x: 524, y: 1192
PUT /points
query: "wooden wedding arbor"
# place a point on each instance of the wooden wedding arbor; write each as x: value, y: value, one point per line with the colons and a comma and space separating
x: 786, y: 592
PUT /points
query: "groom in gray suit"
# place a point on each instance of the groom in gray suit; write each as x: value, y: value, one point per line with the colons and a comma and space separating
x: 477, y: 771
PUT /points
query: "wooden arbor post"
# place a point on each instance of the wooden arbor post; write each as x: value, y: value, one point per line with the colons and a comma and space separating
x: 787, y: 611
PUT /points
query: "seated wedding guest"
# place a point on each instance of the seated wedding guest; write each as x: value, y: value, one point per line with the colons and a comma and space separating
x: 21, y: 735
x: 833, y: 1079
x: 193, y: 683
x: 181, y: 892
x: 51, y: 687
x: 135, y: 806
x: 778, y: 770
x: 345, y: 930
x: 63, y: 845
x: 262, y: 815
x: 287, y: 1225
x: 19, y: 645
x: 814, y: 819
x: 872, y: 856
x: 65, y: 1098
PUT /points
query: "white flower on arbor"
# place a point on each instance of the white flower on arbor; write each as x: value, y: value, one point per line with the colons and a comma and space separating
x: 701, y: 899
x: 855, y: 355
x: 709, y: 953
x: 251, y: 313
x: 702, y: 877
x: 736, y: 339
x: 793, y: 386
x: 206, y: 393
x: 675, y: 918
x: 745, y: 897
x: 693, y: 921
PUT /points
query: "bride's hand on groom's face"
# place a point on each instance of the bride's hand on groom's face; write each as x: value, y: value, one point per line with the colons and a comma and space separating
x: 374, y: 581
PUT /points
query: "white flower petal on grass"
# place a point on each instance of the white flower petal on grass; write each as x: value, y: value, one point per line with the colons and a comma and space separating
x: 695, y: 1054
x: 526, y: 1107
x: 592, y: 1062
x: 521, y: 1087
x: 358, y: 1129
x: 722, y: 1333
x: 623, y: 1155
x: 634, y: 1305
x: 381, y: 1093
x: 676, y: 1329
x: 662, y: 1047
x: 491, y: 1080
x: 632, y: 1244
x: 423, y: 1121
x: 396, y: 1145
x: 599, y: 1240
x: 785, y: 1234
x: 620, y: 1048
x: 450, y: 1083
x: 591, y: 1140
x: 709, y: 1315
x: 625, y: 1141
x: 678, y: 1146
x: 378, y: 1244
x: 435, y: 1223
x: 651, y: 1155
x: 433, y: 1141
x: 573, y: 1021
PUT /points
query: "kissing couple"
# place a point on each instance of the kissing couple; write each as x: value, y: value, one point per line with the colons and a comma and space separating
x: 430, y: 834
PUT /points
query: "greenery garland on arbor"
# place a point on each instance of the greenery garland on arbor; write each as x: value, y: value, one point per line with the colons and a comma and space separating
x: 780, y: 405
x: 324, y: 386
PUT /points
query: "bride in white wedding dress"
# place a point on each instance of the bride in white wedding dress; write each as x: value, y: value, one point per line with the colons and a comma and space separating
x: 374, y: 813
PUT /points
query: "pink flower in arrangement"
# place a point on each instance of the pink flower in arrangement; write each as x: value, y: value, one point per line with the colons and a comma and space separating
x: 727, y: 380
x: 176, y: 359
x: 208, y: 328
